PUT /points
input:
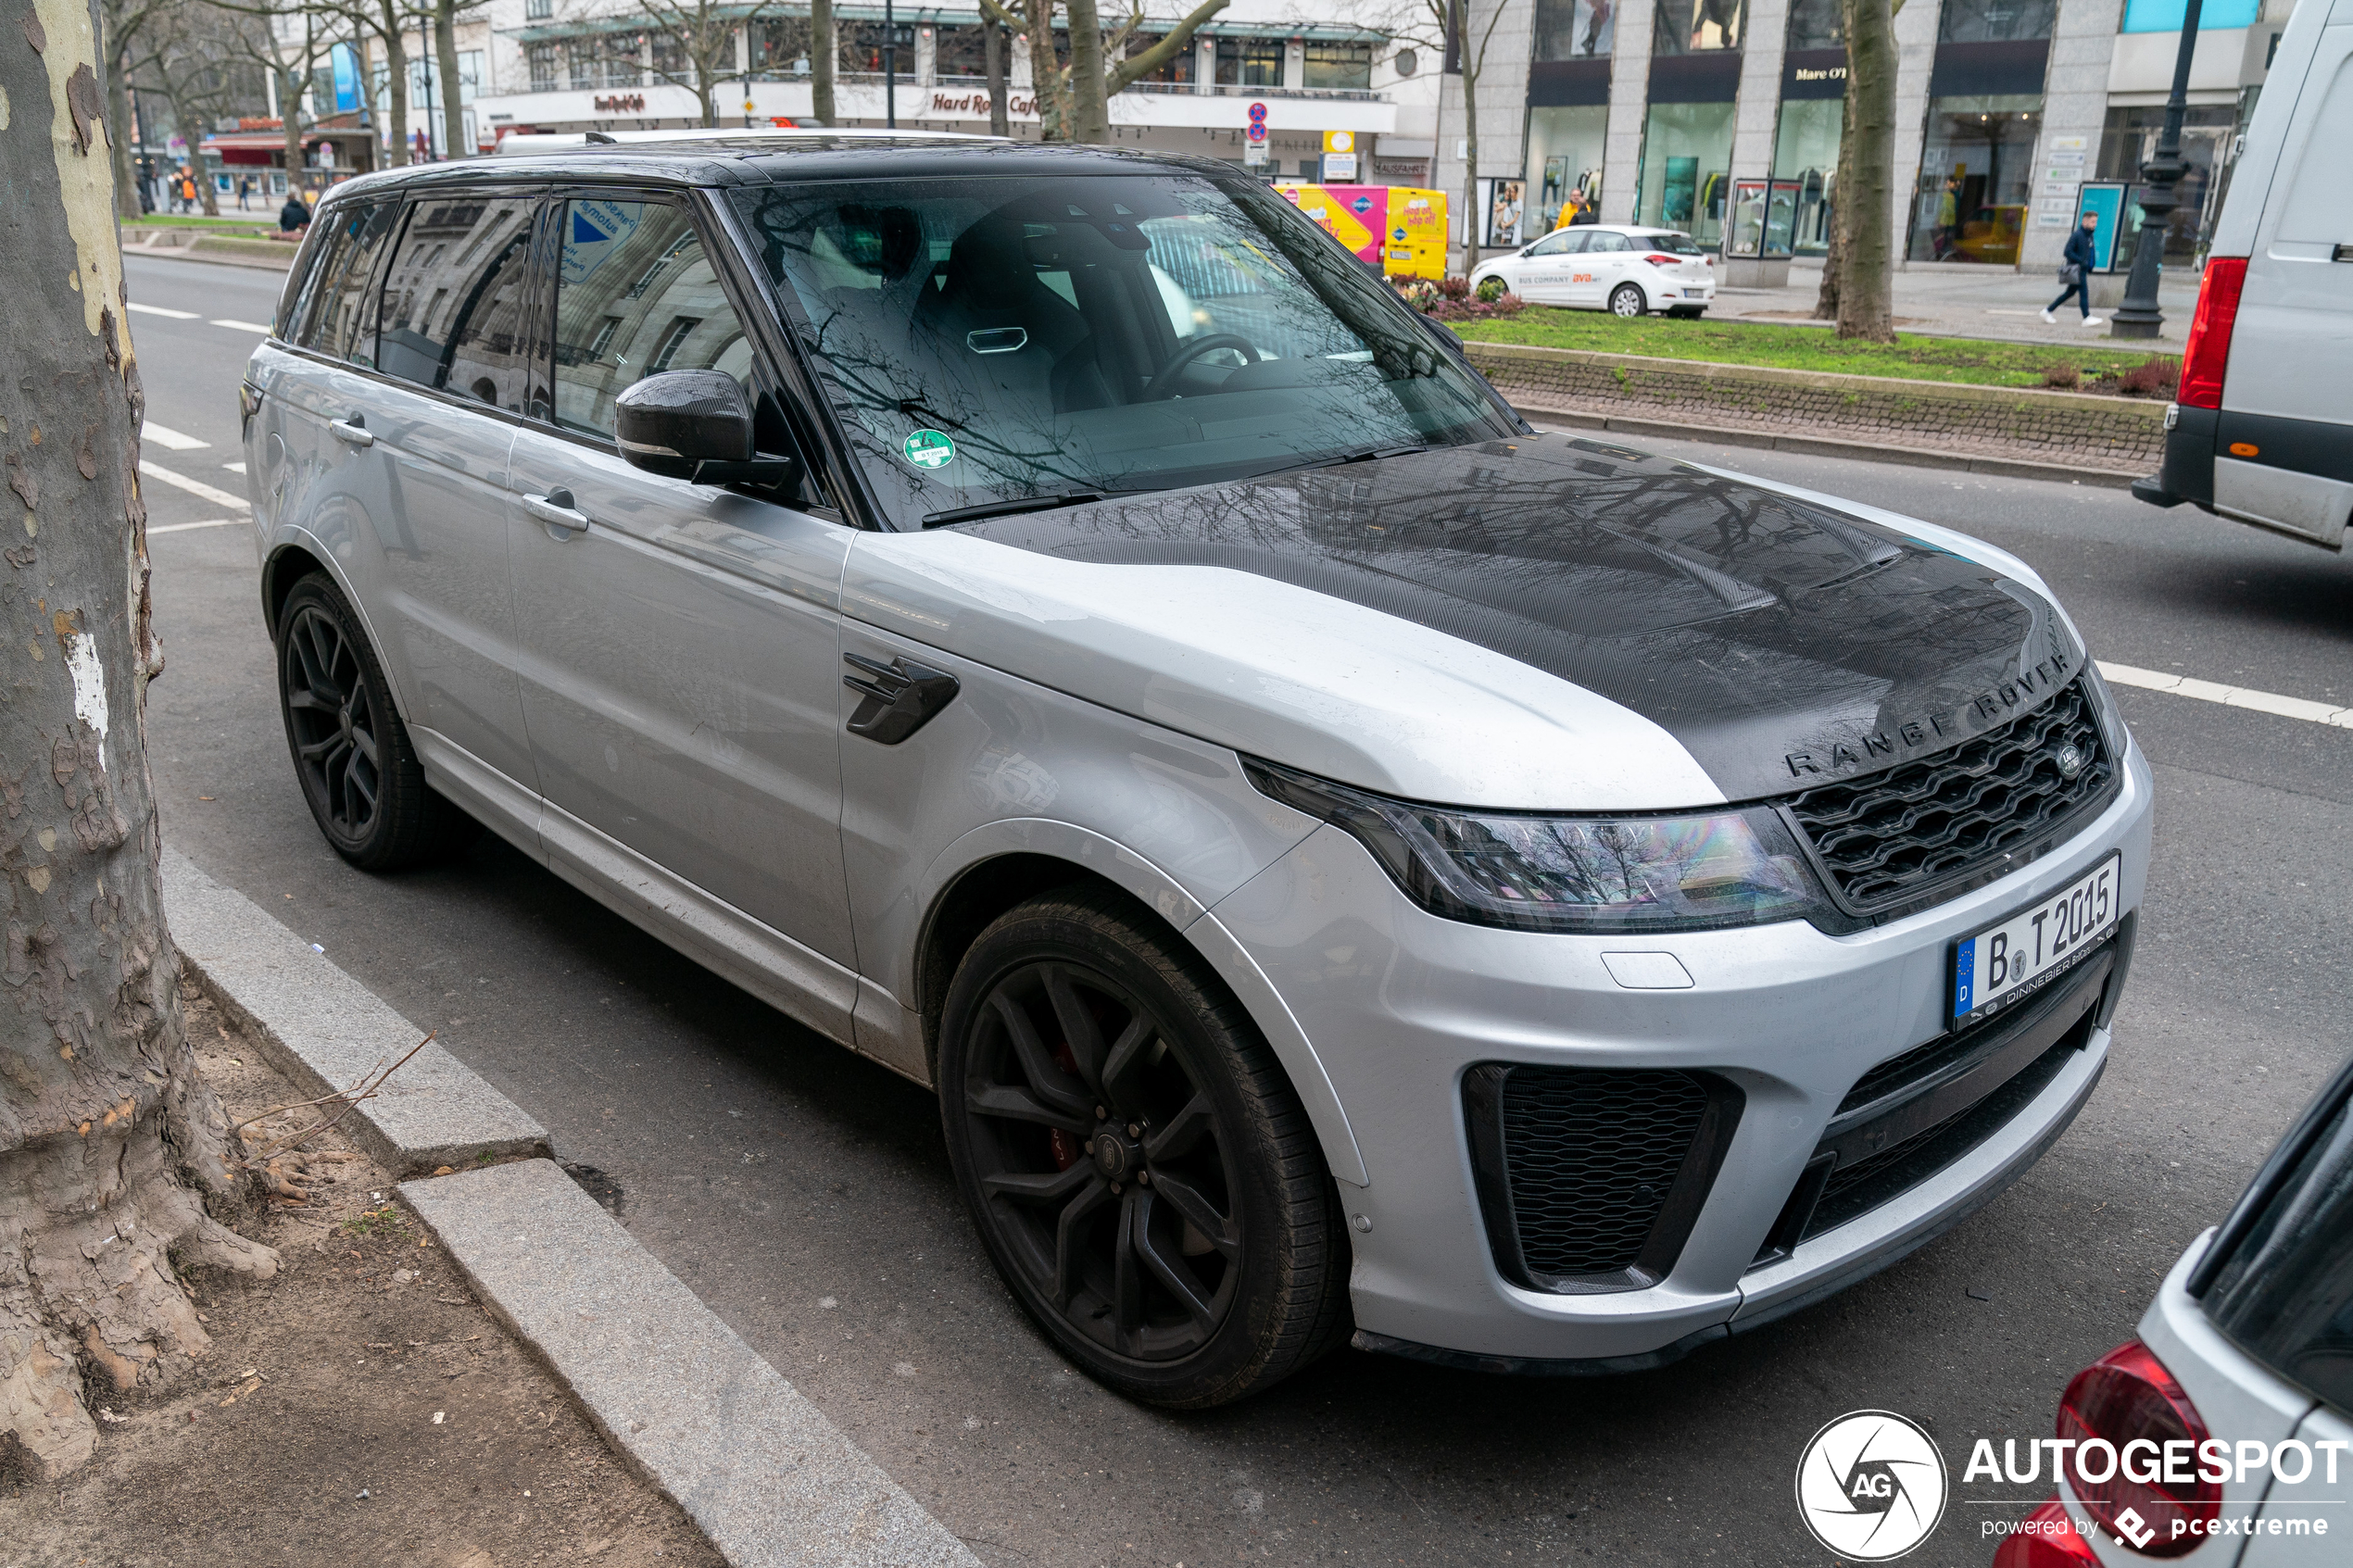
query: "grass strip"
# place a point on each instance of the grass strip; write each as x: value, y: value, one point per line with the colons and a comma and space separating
x: 1912, y: 356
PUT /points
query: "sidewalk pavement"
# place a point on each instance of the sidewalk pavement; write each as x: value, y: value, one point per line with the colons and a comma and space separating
x: 767, y: 1477
x: 1952, y: 300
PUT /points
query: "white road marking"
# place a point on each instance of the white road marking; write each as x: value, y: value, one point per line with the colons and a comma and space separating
x: 208, y: 523
x: 234, y: 468
x: 160, y: 310
x: 243, y: 326
x: 164, y: 435
x: 193, y: 486
x: 2330, y: 713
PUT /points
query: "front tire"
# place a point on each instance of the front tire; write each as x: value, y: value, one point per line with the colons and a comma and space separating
x: 1134, y: 1157
x: 359, y: 775
x: 1626, y: 299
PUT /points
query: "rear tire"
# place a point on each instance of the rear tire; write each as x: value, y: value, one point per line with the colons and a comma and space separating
x: 359, y: 775
x: 1134, y: 1157
x: 1627, y: 299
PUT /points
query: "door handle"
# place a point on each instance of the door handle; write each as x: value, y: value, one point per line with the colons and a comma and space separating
x: 556, y: 508
x: 353, y: 430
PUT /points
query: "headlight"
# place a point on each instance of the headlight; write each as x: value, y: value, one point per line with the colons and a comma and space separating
x: 1739, y: 866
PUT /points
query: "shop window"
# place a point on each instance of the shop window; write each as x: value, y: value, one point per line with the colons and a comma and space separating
x: 1806, y: 152
x: 1817, y: 24
x: 1249, y: 62
x: 2128, y: 139
x: 2164, y: 16
x: 1565, y: 161
x: 1574, y: 29
x: 1687, y: 154
x: 1177, y: 70
x: 1992, y: 21
x: 1976, y: 178
x: 1690, y: 27
x: 1339, y: 66
x: 780, y: 47
x: 541, y: 59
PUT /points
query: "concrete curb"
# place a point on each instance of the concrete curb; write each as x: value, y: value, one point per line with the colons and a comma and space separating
x: 678, y: 1394
x: 1825, y: 446
x: 761, y: 1470
x: 325, y: 1032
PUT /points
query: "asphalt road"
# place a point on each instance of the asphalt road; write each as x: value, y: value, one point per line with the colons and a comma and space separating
x: 805, y: 1194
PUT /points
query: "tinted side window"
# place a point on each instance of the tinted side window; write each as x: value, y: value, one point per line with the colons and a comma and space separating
x: 455, y: 301
x: 635, y: 295
x: 2284, y: 1296
x: 338, y: 317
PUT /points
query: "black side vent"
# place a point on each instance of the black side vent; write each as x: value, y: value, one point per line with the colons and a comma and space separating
x: 1589, y: 1179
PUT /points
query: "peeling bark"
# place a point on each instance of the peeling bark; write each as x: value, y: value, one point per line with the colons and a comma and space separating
x: 110, y: 1143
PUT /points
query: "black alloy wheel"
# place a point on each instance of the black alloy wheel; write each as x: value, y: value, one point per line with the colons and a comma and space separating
x: 1138, y: 1166
x: 360, y: 774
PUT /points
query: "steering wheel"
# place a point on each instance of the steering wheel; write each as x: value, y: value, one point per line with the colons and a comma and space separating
x: 1167, y: 377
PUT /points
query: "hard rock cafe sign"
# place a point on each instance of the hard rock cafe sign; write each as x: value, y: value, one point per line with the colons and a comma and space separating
x: 622, y: 102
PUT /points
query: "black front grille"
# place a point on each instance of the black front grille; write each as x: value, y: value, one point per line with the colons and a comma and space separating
x: 1890, y: 837
x: 1590, y: 1178
x: 1591, y: 1156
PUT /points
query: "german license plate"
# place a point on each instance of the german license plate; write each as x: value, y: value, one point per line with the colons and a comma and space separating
x: 2007, y: 962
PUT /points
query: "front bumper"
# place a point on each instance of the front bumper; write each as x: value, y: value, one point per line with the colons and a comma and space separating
x: 1401, y: 1005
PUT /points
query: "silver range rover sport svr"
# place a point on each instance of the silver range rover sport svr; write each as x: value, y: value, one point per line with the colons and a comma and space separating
x: 1051, y: 622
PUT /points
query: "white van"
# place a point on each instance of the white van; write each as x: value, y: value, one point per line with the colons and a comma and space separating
x: 2263, y: 430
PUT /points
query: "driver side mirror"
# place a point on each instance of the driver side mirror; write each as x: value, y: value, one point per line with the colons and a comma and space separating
x: 693, y: 425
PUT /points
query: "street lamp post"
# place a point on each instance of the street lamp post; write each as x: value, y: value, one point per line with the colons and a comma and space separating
x: 890, y: 68
x: 2139, y: 316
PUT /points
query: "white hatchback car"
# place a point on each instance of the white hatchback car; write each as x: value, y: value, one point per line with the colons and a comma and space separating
x: 1624, y: 269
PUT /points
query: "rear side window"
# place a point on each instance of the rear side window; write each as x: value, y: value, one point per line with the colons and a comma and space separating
x: 457, y: 299
x: 2284, y: 1295
x: 635, y: 295
x: 1673, y: 244
x: 337, y: 318
x: 1610, y: 242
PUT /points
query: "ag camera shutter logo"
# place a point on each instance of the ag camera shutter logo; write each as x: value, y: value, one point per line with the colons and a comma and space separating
x: 1871, y: 1485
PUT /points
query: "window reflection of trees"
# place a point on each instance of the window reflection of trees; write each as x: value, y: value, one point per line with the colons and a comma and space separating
x: 455, y: 300
x: 654, y: 305
x: 910, y: 294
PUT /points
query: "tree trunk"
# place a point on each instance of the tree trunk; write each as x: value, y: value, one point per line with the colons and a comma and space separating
x: 1866, y: 306
x: 290, y: 86
x: 1049, y: 82
x: 824, y: 48
x: 191, y: 130
x: 707, y: 92
x: 1472, y: 217
x: 992, y: 45
x: 109, y: 1138
x: 1090, y: 120
x: 445, y: 50
x: 126, y: 188
x: 397, y: 86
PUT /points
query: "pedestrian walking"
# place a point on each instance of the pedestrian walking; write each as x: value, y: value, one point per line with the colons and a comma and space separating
x: 2075, y: 271
x: 1948, y: 219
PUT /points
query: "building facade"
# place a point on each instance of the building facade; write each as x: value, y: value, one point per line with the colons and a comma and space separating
x: 1725, y: 118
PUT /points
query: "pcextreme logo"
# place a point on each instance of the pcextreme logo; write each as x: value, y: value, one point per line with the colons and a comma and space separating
x: 1871, y: 1486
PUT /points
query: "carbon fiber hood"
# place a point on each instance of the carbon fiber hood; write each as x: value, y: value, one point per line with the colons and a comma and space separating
x: 1782, y: 642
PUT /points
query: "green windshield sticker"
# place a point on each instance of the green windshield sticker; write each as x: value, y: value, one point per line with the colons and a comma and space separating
x: 930, y: 449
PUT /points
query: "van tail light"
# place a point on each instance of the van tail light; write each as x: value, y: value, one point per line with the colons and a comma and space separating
x: 1658, y: 260
x: 2126, y: 1409
x: 2208, y: 352
x: 2046, y: 1538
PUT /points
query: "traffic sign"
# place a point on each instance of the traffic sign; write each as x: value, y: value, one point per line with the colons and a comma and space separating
x: 1256, y: 132
x: 1258, y: 114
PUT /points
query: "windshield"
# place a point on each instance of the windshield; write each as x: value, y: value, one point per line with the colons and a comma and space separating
x: 988, y: 340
